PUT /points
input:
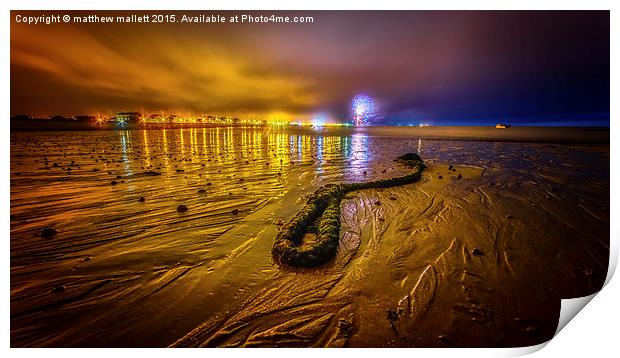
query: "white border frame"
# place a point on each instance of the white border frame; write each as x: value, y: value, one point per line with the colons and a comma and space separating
x: 593, y: 330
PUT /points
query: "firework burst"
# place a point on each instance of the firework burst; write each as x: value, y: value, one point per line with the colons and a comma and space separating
x: 362, y: 109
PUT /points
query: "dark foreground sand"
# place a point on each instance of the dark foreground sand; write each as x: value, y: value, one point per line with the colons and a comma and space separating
x: 480, y: 260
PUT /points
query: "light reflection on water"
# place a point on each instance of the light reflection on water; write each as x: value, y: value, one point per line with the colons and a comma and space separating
x: 252, y: 143
x: 236, y: 162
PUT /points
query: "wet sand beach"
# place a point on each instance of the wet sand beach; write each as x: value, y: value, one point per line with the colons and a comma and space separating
x: 502, y: 225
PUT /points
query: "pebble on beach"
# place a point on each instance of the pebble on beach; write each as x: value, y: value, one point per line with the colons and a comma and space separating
x: 59, y: 288
x: 48, y: 232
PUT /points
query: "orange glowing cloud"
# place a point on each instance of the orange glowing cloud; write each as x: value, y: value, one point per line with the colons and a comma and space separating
x: 155, y: 73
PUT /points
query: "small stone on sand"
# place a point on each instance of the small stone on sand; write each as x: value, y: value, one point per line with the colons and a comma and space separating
x: 532, y: 330
x: 59, y: 288
x: 392, y: 315
x: 48, y: 232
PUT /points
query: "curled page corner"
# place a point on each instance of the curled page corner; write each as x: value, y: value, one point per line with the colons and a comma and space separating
x: 569, y: 309
x: 613, y: 260
x: 523, y: 351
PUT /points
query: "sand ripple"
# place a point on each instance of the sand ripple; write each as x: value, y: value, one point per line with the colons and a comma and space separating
x: 479, y: 260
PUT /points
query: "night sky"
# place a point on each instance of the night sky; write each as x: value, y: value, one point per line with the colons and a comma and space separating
x: 440, y: 68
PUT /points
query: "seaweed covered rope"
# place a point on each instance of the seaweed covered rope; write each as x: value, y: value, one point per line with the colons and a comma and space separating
x: 320, y: 219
